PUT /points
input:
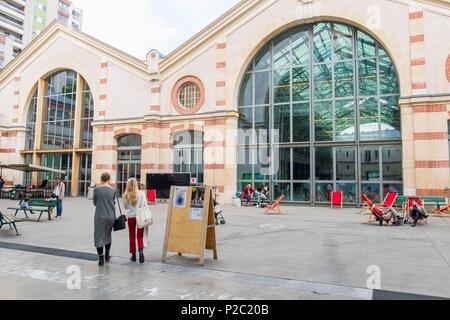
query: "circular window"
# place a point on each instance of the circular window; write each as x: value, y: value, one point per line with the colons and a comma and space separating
x: 188, y: 95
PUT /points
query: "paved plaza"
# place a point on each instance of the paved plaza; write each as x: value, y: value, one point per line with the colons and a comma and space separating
x: 308, y: 253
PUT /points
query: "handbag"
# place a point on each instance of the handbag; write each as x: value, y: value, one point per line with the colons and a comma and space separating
x: 143, y: 213
x: 121, y: 222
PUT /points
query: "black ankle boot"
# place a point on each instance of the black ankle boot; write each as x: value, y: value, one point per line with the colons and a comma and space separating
x: 133, y: 257
x: 141, y: 256
x: 101, y: 261
x: 107, y: 258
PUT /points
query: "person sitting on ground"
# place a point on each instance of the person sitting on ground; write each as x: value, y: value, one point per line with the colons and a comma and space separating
x: 248, y: 194
x: 417, y: 213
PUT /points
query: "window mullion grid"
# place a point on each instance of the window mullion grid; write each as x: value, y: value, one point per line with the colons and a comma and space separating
x: 357, y: 111
x: 312, y: 115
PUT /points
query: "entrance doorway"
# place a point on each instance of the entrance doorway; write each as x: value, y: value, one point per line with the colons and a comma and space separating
x: 129, y: 160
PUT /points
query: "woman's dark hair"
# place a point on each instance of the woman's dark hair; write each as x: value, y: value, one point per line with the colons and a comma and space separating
x: 105, y: 177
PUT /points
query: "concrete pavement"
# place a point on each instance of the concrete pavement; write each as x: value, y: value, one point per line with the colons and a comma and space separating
x: 309, y: 253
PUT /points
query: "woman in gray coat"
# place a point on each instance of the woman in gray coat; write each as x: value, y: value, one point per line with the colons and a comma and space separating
x: 105, y: 216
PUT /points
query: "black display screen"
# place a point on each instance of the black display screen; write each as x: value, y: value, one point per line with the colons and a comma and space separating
x: 163, y: 182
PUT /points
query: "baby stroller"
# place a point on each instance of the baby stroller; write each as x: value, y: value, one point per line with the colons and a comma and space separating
x: 218, y: 213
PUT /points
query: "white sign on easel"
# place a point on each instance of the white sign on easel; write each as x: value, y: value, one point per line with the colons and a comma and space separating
x: 180, y: 198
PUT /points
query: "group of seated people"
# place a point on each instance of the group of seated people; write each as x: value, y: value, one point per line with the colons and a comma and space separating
x: 260, y: 194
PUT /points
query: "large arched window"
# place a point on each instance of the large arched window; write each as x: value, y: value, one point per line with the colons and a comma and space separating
x: 63, y: 130
x: 331, y: 93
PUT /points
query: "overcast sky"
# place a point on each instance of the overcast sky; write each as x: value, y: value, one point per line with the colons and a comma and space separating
x: 137, y: 26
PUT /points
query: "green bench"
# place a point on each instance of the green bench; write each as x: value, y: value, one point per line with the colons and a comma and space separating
x: 430, y: 200
x: 37, y: 206
x: 9, y: 221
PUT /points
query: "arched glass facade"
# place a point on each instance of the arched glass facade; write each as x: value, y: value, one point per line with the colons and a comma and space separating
x: 330, y: 92
x: 64, y: 127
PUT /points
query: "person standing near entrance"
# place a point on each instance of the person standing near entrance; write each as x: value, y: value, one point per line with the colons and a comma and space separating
x: 2, y: 183
x: 133, y: 199
x: 105, y: 217
x: 59, y: 191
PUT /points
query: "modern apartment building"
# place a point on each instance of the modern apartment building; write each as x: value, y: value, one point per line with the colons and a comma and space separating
x: 22, y: 20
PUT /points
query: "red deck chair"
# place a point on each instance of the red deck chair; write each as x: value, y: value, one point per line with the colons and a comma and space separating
x: 337, y: 199
x: 276, y: 207
x: 367, y: 204
x: 390, y: 200
x: 374, y: 210
x: 408, y: 205
x: 151, y: 196
x: 443, y: 210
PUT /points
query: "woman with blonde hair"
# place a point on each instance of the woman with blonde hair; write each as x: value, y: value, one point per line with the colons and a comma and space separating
x: 133, y: 199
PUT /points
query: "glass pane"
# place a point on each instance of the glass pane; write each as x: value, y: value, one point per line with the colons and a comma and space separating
x: 344, y: 81
x: 388, y: 77
x: 246, y: 93
x: 366, y: 45
x: 369, y: 126
x: 262, y: 164
x: 246, y: 124
x: 300, y: 48
x: 262, y: 88
x: 372, y: 191
x: 282, y: 157
x: 324, y: 163
x: 349, y: 190
x: 245, y: 164
x: 124, y: 155
x: 282, y: 52
x: 300, y: 84
x: 282, y: 86
x: 392, y: 187
x: 280, y: 189
x: 345, y: 120
x: 324, y: 121
x: 345, y: 164
x: 392, y: 163
x: 246, y: 118
x: 368, y: 78
x: 390, y: 118
x: 301, y: 164
x: 370, y: 163
x: 262, y: 60
x: 132, y: 140
x: 343, y: 42
x: 282, y: 122
x: 323, y: 192
x: 302, y: 192
x: 323, y: 81
x: 262, y: 118
x: 323, y: 43
x: 301, y: 122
